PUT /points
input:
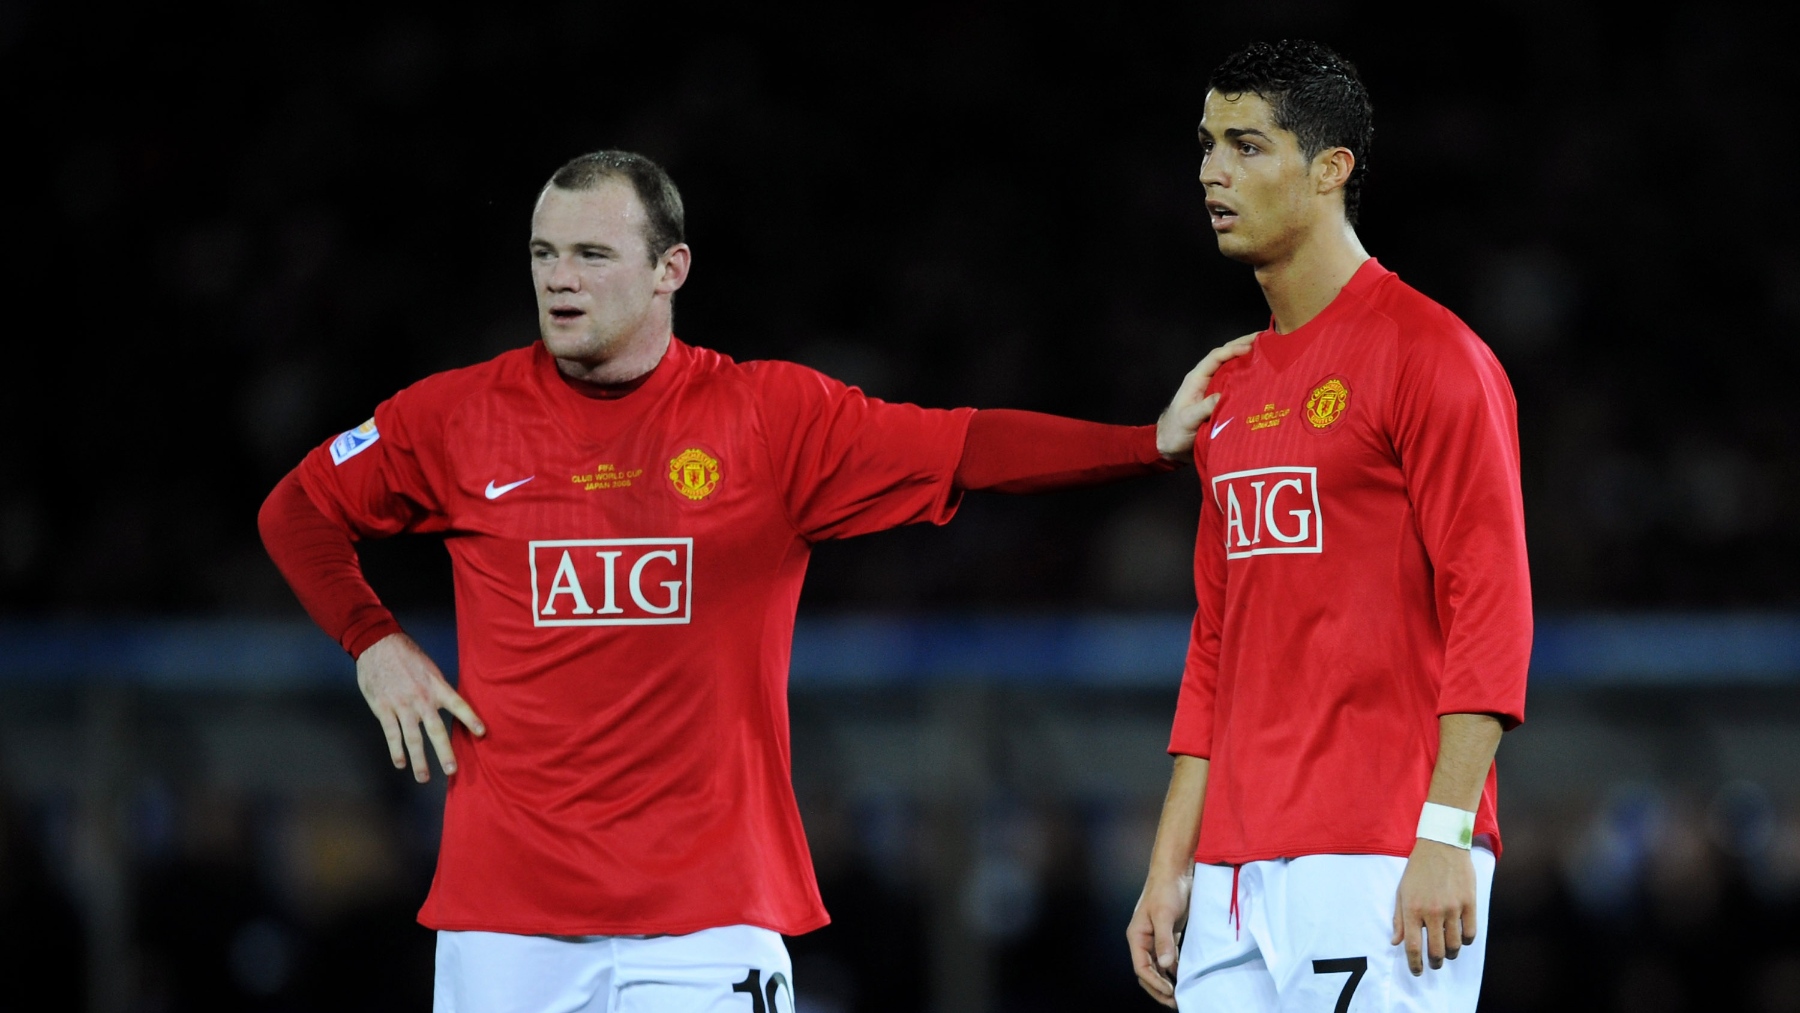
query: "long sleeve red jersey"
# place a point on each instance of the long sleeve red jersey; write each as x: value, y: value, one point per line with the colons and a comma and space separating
x: 1361, y: 570
x: 627, y: 570
x: 626, y: 577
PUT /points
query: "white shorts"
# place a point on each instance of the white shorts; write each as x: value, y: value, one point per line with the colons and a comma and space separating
x: 733, y: 969
x: 1311, y: 934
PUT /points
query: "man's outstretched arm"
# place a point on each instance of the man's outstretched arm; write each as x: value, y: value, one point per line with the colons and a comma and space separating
x: 403, y: 686
x: 1028, y: 452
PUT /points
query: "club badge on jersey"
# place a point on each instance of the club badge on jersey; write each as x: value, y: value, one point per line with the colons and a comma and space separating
x: 354, y: 441
x: 694, y: 473
x: 1326, y: 406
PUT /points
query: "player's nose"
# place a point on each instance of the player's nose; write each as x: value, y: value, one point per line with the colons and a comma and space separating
x: 562, y: 277
x: 1212, y: 173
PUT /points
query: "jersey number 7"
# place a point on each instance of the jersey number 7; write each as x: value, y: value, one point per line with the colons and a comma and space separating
x: 1357, y: 966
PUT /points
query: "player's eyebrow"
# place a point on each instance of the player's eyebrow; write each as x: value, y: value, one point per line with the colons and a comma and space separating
x: 539, y: 242
x: 1234, y: 133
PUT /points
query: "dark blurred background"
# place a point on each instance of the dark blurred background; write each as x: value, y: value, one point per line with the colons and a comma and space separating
x: 232, y: 229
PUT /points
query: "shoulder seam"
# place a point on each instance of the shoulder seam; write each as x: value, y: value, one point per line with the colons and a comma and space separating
x: 456, y: 407
x: 762, y: 424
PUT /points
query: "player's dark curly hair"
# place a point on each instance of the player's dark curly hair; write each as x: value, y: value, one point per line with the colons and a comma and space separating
x: 1313, y: 92
x: 665, y: 221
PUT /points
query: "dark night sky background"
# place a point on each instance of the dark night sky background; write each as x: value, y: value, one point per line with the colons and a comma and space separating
x: 234, y: 228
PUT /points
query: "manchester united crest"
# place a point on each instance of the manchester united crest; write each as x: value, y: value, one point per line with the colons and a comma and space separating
x: 694, y: 473
x: 1326, y: 405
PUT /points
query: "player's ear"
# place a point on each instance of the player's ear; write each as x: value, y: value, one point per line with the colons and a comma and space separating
x: 673, y: 271
x: 1332, y: 168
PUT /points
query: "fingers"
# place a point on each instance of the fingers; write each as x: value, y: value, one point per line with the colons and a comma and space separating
x: 1190, y: 416
x: 1160, y: 988
x: 1455, y: 934
x: 1168, y: 1001
x: 1232, y: 349
x: 1220, y: 356
x: 1459, y: 930
x: 1207, y: 405
x: 1194, y: 383
x: 1434, y: 940
x: 460, y: 709
x: 1142, y: 939
x: 1430, y: 938
x: 1152, y: 980
x: 1200, y: 377
x: 405, y: 740
x: 1165, y: 947
x: 390, y: 727
x: 1407, y: 924
x: 415, y: 748
x: 440, y: 741
x: 405, y: 690
x: 1434, y: 908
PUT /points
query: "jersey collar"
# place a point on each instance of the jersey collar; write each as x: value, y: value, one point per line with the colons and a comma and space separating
x: 1282, y: 350
x: 596, y: 418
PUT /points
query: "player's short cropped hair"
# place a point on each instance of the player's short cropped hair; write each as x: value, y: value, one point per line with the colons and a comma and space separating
x: 665, y: 221
x: 1313, y: 92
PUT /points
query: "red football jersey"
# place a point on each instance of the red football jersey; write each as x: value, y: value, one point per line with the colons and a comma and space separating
x: 627, y: 572
x: 1361, y: 570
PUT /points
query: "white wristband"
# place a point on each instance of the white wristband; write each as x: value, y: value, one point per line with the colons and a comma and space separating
x: 1447, y: 825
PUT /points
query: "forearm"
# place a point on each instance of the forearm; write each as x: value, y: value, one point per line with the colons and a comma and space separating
x: 1029, y: 452
x: 319, y: 561
x: 1178, y: 830
x: 1466, y: 745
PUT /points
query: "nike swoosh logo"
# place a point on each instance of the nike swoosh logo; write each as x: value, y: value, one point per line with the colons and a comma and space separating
x: 497, y: 491
x: 1214, y: 436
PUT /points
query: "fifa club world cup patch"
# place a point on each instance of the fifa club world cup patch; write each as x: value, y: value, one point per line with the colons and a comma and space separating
x: 694, y: 473
x: 1326, y: 405
x: 354, y: 442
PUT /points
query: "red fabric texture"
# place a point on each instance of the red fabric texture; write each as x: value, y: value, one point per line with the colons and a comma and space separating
x: 1361, y: 571
x: 1028, y: 452
x: 319, y: 561
x: 1006, y: 451
x: 627, y: 572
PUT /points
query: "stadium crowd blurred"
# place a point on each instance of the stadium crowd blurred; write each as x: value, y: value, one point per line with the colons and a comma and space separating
x: 270, y: 904
x: 235, y: 228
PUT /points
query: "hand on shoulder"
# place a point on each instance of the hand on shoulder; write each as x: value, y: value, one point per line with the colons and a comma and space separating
x: 1180, y: 422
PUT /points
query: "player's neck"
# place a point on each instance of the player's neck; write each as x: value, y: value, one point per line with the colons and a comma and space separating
x: 1301, y: 284
x: 634, y: 359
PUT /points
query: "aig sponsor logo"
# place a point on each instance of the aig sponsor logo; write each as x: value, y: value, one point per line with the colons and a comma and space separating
x: 1270, y: 511
x: 612, y: 581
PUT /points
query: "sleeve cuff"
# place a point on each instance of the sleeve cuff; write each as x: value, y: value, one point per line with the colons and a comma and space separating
x: 360, y: 638
x: 1144, y: 439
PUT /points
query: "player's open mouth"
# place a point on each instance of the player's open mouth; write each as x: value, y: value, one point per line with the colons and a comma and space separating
x: 1222, y: 217
x: 566, y: 313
